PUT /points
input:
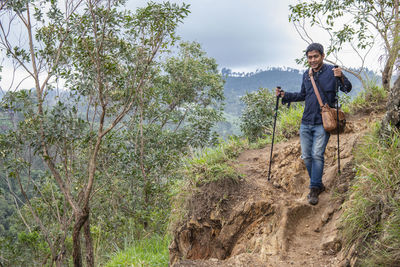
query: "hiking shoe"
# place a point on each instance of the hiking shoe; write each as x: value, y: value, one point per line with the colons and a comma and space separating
x: 314, y: 193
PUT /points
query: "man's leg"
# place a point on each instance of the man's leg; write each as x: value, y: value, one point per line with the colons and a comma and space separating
x: 320, y: 140
x: 313, y: 140
x: 306, y: 142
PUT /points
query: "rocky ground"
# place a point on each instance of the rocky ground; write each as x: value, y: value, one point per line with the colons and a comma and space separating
x: 259, y: 223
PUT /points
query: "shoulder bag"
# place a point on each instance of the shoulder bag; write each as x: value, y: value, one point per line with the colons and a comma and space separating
x: 329, y: 115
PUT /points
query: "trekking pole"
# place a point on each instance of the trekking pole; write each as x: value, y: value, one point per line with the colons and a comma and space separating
x: 337, y: 119
x: 273, y: 133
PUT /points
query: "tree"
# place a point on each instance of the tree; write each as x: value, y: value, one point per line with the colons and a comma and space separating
x: 365, y: 22
x: 106, y: 58
x: 257, y: 117
x: 181, y: 105
x: 391, y: 119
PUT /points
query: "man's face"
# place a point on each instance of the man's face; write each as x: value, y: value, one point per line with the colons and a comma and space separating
x: 315, y: 59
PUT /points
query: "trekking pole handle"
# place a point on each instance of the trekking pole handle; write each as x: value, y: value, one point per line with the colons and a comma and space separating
x: 279, y: 89
x: 336, y: 67
x: 277, y: 99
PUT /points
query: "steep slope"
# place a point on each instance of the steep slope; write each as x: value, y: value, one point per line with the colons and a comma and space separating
x: 261, y: 223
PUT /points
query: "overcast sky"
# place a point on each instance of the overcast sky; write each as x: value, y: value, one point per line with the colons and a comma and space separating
x: 242, y: 34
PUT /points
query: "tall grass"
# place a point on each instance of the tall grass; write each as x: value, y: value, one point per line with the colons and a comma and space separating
x: 371, y: 99
x: 212, y: 164
x: 151, y: 251
x: 371, y: 217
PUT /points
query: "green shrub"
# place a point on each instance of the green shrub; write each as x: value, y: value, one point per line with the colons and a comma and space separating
x: 258, y: 115
x: 371, y: 217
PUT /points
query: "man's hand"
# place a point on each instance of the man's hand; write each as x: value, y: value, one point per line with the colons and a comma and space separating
x: 337, y: 72
x: 279, y: 92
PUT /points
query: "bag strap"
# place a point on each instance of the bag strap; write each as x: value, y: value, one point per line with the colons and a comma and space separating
x: 310, y: 73
x: 321, y: 89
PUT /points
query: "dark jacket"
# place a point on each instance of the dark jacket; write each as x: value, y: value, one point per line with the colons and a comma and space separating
x: 325, y: 81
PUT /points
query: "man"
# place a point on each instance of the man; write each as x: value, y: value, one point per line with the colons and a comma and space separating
x: 313, y: 138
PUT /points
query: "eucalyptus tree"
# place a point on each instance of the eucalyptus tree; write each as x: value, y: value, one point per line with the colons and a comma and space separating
x: 139, y: 164
x: 105, y: 56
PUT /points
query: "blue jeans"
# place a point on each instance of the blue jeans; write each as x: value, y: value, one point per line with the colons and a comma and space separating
x: 313, y: 140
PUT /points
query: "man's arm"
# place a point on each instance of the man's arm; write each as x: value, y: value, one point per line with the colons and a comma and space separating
x: 345, y: 84
x: 288, y: 97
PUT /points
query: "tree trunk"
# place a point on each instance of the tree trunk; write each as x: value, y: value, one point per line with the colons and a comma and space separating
x: 387, y: 74
x: 81, y: 218
x: 392, y: 117
x: 88, y: 243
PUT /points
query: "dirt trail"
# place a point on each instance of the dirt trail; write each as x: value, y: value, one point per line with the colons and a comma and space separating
x: 257, y: 223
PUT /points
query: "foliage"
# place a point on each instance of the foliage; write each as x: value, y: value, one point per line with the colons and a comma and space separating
x: 135, y: 176
x: 68, y: 160
x: 212, y: 164
x: 258, y: 116
x: 289, y: 120
x: 371, y: 218
x: 150, y: 251
x: 26, y: 249
x: 190, y: 94
x: 127, y: 200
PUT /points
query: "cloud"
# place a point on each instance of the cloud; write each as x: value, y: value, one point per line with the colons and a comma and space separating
x: 242, y: 34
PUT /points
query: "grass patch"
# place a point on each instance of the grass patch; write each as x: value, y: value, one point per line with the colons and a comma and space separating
x: 371, y: 217
x: 373, y: 98
x: 212, y: 164
x: 151, y: 251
